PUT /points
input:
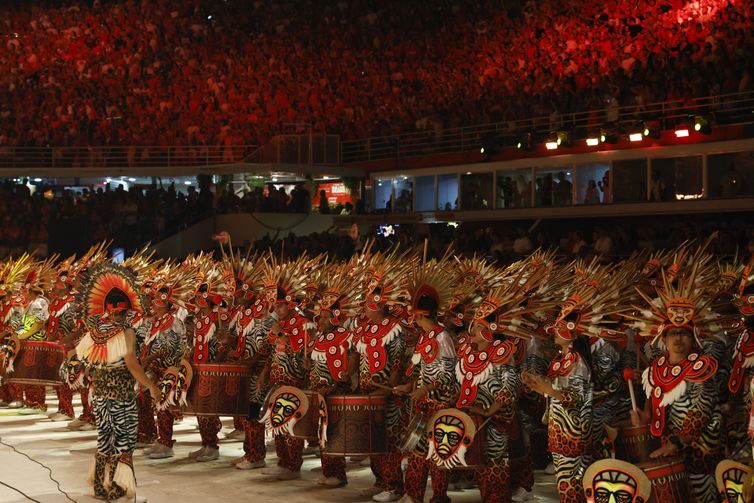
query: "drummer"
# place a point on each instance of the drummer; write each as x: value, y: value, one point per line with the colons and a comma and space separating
x: 432, y: 385
x: 62, y: 328
x: 209, y: 345
x: 28, y: 319
x: 329, y: 372
x: 289, y: 339
x: 252, y: 328
x: 163, y: 347
x: 489, y: 388
x: 380, y: 343
x: 683, y: 406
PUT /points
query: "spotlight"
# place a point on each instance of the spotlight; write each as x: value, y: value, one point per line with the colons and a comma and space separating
x: 563, y: 138
x: 592, y: 142
x: 489, y: 145
x: 636, y: 137
x: 681, y: 133
x: 701, y: 125
x: 608, y: 137
x: 651, y: 129
x: 523, y: 142
x: 551, y: 145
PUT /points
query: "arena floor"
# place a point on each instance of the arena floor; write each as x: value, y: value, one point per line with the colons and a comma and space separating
x: 69, y: 455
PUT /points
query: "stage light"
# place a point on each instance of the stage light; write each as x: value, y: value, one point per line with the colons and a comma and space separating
x: 681, y: 133
x: 551, y: 145
x: 701, y: 125
x: 608, y: 137
x: 37, y: 180
x: 187, y: 182
x: 651, y: 129
x: 636, y: 137
x: 523, y: 142
x: 481, y: 150
x: 132, y: 179
x: 592, y: 142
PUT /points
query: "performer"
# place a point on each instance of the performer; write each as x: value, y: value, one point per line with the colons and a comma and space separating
x: 433, y: 386
x: 108, y: 349
x: 289, y: 339
x: 165, y: 345
x: 252, y: 327
x: 330, y: 373
x: 63, y: 327
x: 28, y: 320
x: 490, y: 385
x: 682, y: 407
x: 209, y: 344
x: 381, y: 346
x: 12, y: 277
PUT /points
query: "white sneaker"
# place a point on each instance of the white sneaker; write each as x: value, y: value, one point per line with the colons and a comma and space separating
x: 210, y: 454
x: 289, y: 475
x: 16, y: 404
x: 161, y: 452
x: 75, y: 424
x: 29, y: 411
x: 550, y: 469
x: 386, y: 496
x: 331, y: 482
x: 59, y: 416
x: 197, y: 453
x: 370, y: 491
x: 248, y: 465
x: 522, y: 494
x: 236, y: 435
x: 273, y: 471
x: 87, y: 427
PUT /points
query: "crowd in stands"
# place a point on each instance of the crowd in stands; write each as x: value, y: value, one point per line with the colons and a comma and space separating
x: 180, y: 72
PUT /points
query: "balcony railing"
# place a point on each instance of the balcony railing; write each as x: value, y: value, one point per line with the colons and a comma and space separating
x: 727, y: 109
x: 122, y: 157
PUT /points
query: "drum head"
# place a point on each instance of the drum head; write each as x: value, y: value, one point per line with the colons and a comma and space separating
x: 414, y: 432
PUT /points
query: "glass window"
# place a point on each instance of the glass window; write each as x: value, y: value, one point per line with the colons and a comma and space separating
x: 554, y: 186
x: 425, y: 193
x: 588, y: 176
x: 514, y: 189
x: 476, y: 191
x: 676, y: 178
x: 403, y: 190
x: 731, y: 175
x: 447, y: 192
x: 383, y: 195
x: 629, y: 184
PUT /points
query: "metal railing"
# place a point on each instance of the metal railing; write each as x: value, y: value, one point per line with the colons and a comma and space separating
x: 297, y: 149
x: 134, y: 156
x: 727, y: 109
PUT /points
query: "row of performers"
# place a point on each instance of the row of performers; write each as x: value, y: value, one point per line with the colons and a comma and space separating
x: 460, y: 342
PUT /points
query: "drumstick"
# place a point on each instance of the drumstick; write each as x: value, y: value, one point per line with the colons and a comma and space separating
x: 628, y: 375
x: 388, y: 388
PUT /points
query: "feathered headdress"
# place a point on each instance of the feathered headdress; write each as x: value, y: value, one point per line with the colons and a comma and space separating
x: 681, y: 302
x: 41, y: 276
x: 383, y: 280
x: 13, y: 274
x: 173, y: 285
x: 744, y: 296
x: 430, y: 286
x: 103, y: 281
x: 284, y: 282
x: 339, y: 294
x: 593, y: 303
x: 142, y: 264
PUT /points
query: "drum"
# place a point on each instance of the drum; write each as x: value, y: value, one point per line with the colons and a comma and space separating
x: 38, y: 363
x: 356, y: 425
x: 670, y: 483
x: 218, y: 390
x: 291, y: 411
x: 417, y: 429
x: 456, y: 440
x: 635, y: 443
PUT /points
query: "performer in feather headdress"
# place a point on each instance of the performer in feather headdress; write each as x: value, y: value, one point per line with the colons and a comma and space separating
x: 11, y: 280
x: 682, y: 402
x: 109, y: 351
